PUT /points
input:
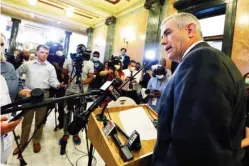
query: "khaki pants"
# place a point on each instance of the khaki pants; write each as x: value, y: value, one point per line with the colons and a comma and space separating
x: 27, y: 122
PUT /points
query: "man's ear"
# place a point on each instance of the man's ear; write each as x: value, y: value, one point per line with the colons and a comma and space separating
x: 191, y: 30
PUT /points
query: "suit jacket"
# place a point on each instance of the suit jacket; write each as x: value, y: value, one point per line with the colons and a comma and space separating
x: 201, y: 116
x: 126, y: 61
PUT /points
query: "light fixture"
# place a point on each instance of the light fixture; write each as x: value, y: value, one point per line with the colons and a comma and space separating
x: 69, y: 11
x: 128, y: 35
x: 99, y: 41
x: 32, y: 2
x: 150, y: 54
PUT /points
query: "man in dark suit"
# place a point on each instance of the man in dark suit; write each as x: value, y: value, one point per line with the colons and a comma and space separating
x: 201, y: 115
x: 124, y: 58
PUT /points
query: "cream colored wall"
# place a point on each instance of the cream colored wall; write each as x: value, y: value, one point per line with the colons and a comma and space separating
x: 99, y: 40
x: 137, y: 20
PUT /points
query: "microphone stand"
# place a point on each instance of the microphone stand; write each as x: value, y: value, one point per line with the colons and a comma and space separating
x: 12, y: 108
x: 9, y: 108
x: 101, y: 116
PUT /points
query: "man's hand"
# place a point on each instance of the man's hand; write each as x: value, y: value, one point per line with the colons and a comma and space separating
x: 82, y: 82
x: 155, y: 93
x: 24, y: 93
x: 62, y: 85
x: 7, y: 127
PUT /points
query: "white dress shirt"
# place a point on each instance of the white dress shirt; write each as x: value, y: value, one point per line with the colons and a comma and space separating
x: 88, y: 67
x: 39, y: 75
x: 127, y: 73
x: 185, y: 53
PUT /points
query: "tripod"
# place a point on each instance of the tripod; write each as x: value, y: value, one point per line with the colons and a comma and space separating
x: 21, y: 149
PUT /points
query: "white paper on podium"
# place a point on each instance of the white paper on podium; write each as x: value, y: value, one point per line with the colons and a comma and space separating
x: 137, y: 119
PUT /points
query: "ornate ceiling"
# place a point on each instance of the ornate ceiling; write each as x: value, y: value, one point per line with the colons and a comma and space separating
x: 86, y: 13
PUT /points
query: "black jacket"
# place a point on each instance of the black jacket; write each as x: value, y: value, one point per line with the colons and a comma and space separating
x: 201, y: 116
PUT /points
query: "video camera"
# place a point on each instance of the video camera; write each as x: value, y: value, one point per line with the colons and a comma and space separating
x: 82, y: 53
x: 78, y: 58
x: 115, y: 60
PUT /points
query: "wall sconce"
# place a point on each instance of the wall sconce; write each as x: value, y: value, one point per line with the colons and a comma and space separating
x: 99, y: 41
x: 128, y: 35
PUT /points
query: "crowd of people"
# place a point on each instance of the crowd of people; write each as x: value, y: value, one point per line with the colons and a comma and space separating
x: 201, y: 107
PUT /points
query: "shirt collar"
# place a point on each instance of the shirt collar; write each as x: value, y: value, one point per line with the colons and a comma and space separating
x: 43, y: 63
x: 187, y: 51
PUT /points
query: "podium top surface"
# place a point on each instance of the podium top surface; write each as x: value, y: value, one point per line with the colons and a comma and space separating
x: 105, y: 145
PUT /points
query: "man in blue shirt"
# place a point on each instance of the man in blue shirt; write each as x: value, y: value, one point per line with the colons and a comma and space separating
x: 156, y: 87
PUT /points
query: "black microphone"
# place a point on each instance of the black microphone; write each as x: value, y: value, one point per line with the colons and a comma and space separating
x: 111, y: 130
x: 37, y: 95
x: 13, y: 107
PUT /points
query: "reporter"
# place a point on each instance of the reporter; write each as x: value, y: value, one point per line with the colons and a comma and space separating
x: 156, y: 86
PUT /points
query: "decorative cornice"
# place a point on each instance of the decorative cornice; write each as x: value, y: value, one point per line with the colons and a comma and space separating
x: 110, y: 20
x: 15, y: 20
x: 148, y: 3
x: 89, y: 30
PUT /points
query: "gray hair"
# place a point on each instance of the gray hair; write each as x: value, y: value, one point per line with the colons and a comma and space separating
x: 183, y: 19
x: 2, y: 55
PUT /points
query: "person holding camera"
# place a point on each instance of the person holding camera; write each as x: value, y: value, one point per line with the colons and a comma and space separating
x: 98, y: 67
x: 156, y: 87
x: 81, y: 73
x: 113, y: 69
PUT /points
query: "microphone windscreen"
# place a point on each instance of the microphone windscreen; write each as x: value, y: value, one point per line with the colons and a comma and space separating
x: 147, y: 91
x: 76, y: 125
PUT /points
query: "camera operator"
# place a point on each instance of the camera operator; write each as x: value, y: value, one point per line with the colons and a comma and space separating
x: 156, y: 87
x: 39, y: 74
x: 57, y: 59
x: 80, y: 70
x: 98, y: 67
x: 114, y: 69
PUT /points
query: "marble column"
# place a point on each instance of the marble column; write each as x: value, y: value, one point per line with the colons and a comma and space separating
x: 110, y: 22
x: 13, y: 35
x: 67, y: 42
x: 89, y: 32
x: 152, y: 40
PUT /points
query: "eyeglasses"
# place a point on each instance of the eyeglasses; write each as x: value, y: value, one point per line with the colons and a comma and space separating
x: 2, y: 44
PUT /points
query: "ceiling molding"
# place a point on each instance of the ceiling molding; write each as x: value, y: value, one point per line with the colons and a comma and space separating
x: 99, y: 24
x: 43, y: 19
x: 137, y: 6
x: 87, y: 13
x: 89, y: 8
x: 113, y: 1
x: 45, y: 15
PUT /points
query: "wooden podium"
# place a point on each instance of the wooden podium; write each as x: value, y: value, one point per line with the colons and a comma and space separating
x: 105, y: 145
